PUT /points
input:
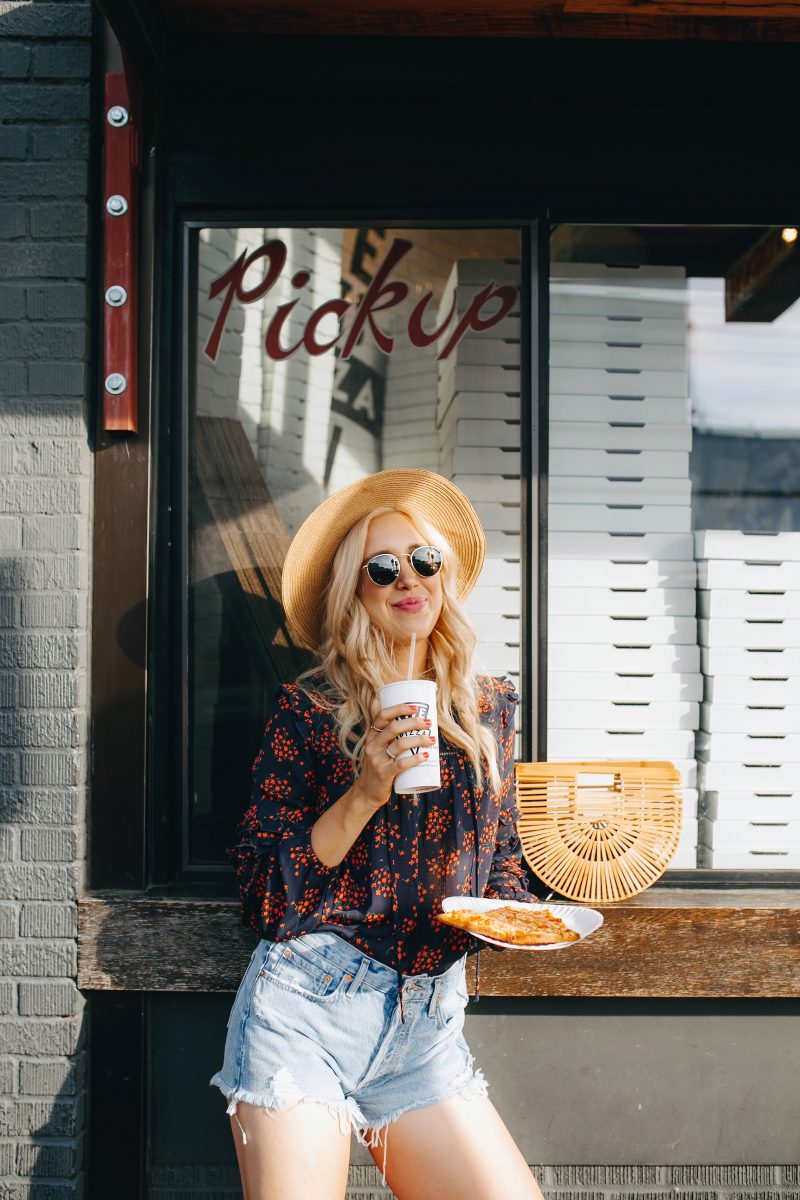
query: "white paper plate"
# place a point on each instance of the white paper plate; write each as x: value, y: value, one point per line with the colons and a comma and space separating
x: 582, y: 920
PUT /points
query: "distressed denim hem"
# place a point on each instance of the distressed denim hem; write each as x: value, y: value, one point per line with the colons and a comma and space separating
x: 283, y: 1093
x: 369, y: 1135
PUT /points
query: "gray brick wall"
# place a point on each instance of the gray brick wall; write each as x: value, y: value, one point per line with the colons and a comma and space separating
x: 45, y: 514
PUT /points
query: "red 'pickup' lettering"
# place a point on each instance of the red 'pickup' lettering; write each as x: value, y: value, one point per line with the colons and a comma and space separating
x: 381, y: 295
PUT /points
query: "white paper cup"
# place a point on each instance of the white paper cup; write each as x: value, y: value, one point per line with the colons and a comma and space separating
x: 425, y: 776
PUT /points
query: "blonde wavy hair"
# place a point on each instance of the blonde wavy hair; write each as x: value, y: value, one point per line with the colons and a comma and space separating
x: 356, y: 658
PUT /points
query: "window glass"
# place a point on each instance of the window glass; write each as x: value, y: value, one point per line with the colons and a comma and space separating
x: 322, y: 355
x: 674, y: 522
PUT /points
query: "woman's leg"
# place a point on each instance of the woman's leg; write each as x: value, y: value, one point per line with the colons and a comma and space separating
x: 298, y: 1153
x: 457, y: 1150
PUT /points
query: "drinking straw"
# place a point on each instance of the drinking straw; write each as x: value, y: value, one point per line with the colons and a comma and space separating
x: 411, y: 655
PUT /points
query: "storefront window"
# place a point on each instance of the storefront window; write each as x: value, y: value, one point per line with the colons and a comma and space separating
x: 321, y: 355
x: 674, y: 522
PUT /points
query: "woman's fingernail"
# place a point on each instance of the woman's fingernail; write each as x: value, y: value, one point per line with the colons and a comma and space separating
x: 432, y: 740
x: 425, y: 754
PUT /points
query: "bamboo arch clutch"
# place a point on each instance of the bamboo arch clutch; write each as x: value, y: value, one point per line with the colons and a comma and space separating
x: 599, y: 831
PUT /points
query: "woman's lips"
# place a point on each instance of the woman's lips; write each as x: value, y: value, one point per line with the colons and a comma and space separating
x: 410, y: 605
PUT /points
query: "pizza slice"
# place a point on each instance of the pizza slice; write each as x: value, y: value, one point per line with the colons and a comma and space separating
x: 512, y: 925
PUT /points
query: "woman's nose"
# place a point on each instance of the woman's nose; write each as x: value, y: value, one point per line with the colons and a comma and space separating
x: 408, y: 576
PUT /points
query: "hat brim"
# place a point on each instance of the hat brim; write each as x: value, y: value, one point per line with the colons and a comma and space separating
x: 309, y: 561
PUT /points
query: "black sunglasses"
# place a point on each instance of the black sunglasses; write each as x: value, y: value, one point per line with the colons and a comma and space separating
x: 385, y: 568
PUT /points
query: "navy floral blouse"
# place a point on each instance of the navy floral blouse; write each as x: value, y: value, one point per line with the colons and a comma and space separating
x: 384, y: 895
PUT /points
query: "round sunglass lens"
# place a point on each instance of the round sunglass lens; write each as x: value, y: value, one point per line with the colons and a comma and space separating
x: 383, y: 569
x: 426, y: 561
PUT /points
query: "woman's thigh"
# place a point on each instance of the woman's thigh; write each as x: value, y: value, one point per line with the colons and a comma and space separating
x: 297, y: 1153
x: 457, y: 1150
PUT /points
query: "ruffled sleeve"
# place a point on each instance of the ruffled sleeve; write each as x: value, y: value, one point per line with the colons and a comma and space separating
x: 507, y: 875
x: 282, y: 883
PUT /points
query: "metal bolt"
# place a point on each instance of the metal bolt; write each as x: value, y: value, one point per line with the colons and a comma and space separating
x: 116, y: 383
x: 117, y: 205
x: 116, y: 295
x: 118, y: 116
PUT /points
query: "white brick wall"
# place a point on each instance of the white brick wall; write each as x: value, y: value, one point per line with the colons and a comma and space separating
x: 45, y: 527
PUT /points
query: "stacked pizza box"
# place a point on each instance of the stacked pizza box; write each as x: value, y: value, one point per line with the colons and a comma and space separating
x: 478, y: 432
x: 623, y: 670
x: 409, y: 411
x: 296, y: 428
x: 749, y: 747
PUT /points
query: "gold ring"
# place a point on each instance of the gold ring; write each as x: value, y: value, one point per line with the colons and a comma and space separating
x: 377, y: 728
x: 391, y: 756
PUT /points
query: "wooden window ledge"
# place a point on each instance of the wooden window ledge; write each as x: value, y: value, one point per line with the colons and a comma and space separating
x: 666, y: 942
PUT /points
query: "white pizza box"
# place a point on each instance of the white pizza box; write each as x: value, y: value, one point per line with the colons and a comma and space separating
x: 728, y: 631
x: 494, y: 627
x: 494, y: 599
x: 620, y: 491
x: 618, y: 305
x: 426, y: 460
x: 616, y: 355
x: 479, y: 406
x: 478, y: 272
x: 621, y: 547
x: 772, y: 748
x: 622, y: 714
x: 735, y: 543
x: 611, y: 381
x: 489, y: 349
x: 417, y: 416
x: 617, y: 685
x: 627, y: 631
x: 623, y: 658
x: 619, y: 462
x: 753, y: 860
x: 690, y: 803
x: 758, y: 604
x: 619, y: 435
x: 462, y: 298
x: 500, y: 572
x: 751, y: 689
x: 718, y: 573
x: 503, y: 434
x: 664, y: 410
x: 472, y: 460
x: 505, y: 517
x: 494, y: 658
x: 640, y: 745
x: 490, y: 487
x: 754, y: 660
x: 614, y: 518
x: 684, y: 859
x: 751, y: 806
x: 760, y: 834
x: 456, y: 377
x: 638, y: 277
x: 509, y: 328
x: 580, y: 573
x: 503, y: 545
x: 744, y: 777
x: 750, y: 718
x: 621, y: 602
x: 646, y: 331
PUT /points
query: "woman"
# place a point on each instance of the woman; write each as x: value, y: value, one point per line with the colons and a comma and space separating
x: 349, y: 1018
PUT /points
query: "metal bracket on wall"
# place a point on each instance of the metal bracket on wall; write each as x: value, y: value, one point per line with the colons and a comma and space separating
x: 120, y: 169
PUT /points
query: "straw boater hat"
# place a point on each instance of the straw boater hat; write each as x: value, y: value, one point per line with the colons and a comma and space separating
x: 309, y: 562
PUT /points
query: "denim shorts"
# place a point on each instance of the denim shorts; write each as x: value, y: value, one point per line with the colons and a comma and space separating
x: 316, y: 1020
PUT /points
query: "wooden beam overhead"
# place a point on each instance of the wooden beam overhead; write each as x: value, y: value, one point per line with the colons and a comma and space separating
x: 677, y: 20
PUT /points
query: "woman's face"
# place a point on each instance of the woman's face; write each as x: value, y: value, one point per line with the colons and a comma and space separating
x: 411, y: 604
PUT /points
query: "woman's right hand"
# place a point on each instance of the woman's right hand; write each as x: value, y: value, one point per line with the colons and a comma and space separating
x: 382, y: 762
